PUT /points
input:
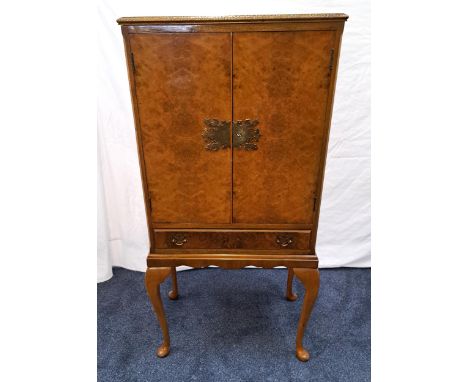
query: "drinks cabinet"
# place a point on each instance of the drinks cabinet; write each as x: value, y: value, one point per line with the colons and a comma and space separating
x: 232, y: 118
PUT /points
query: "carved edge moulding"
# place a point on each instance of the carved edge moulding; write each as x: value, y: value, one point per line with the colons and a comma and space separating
x: 230, y: 19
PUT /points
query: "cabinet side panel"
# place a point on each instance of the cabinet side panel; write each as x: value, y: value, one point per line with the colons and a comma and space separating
x: 281, y: 79
x: 181, y: 80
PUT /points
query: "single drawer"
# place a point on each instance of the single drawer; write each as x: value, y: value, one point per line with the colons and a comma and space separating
x: 231, y: 239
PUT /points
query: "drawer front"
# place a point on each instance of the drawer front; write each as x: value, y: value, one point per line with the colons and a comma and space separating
x: 165, y: 239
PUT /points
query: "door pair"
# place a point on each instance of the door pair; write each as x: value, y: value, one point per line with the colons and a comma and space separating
x: 232, y: 125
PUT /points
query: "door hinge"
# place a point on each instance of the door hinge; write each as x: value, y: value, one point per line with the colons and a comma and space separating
x: 150, y: 205
x: 315, y: 203
x: 332, y: 55
x: 133, y: 62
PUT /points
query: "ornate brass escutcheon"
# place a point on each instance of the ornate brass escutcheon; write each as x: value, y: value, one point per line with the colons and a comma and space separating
x: 284, y: 240
x: 245, y: 134
x: 178, y: 239
x: 216, y: 134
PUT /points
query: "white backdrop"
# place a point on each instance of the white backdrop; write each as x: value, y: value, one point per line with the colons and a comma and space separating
x: 344, y: 229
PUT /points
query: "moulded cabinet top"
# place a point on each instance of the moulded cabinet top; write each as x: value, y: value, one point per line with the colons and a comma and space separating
x: 146, y: 20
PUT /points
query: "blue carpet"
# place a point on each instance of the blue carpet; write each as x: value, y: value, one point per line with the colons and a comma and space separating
x: 234, y: 325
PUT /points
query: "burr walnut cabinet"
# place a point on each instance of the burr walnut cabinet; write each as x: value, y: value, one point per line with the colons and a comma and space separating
x: 232, y: 118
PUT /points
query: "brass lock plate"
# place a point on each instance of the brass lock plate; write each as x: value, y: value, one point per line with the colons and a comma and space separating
x: 217, y: 134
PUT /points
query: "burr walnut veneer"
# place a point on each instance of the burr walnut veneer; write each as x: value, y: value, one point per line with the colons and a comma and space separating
x: 232, y: 118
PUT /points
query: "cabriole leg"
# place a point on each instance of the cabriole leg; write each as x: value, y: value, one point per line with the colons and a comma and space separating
x: 290, y: 296
x: 311, y: 280
x: 174, y: 292
x: 153, y: 279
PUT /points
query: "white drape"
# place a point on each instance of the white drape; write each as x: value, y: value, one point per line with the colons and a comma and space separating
x: 344, y: 229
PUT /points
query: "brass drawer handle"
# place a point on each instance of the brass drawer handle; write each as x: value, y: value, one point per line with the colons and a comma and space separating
x: 245, y: 134
x: 284, y: 240
x: 178, y: 239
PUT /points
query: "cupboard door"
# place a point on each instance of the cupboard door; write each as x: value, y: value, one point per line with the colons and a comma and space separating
x: 281, y: 80
x: 181, y: 79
